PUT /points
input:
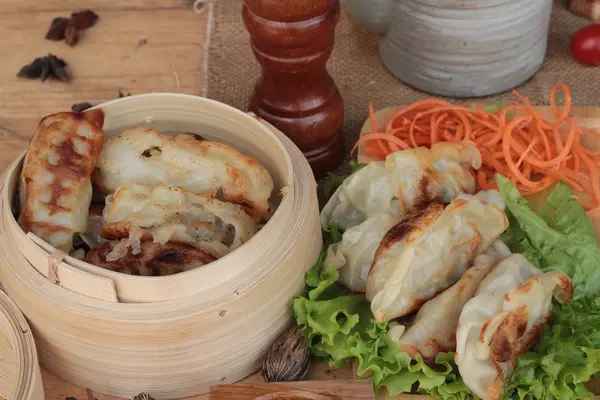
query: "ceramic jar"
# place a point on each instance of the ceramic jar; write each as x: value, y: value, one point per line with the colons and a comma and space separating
x: 458, y: 48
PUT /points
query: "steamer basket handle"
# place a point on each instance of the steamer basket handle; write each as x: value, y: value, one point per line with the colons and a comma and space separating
x: 73, y: 279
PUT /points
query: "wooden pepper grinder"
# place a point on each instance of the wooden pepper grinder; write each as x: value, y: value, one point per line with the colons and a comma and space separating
x: 292, y: 40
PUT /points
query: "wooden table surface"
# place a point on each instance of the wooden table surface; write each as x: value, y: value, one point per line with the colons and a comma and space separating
x: 107, y: 59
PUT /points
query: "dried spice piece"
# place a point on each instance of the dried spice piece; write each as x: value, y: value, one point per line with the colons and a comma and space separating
x: 68, y: 28
x: 80, y: 107
x: 58, y: 68
x: 143, y: 396
x: 33, y: 70
x: 84, y: 19
x: 288, y: 359
x: 44, y: 68
x: 71, y: 35
x: 57, y: 28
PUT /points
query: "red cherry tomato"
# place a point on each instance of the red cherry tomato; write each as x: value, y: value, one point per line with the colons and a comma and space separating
x: 585, y: 45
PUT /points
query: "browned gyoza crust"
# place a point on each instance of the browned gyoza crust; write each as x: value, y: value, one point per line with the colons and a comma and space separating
x: 155, y: 259
x: 512, y: 339
x: 56, y: 174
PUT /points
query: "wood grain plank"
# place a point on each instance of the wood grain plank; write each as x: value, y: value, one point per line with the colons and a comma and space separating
x: 29, y: 7
x: 341, y: 389
x: 107, y: 59
x: 57, y: 389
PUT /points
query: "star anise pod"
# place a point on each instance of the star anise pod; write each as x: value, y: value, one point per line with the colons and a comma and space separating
x: 57, y: 28
x: 44, y: 68
x: 71, y: 35
x: 84, y: 19
x: 81, y: 107
x: 68, y: 28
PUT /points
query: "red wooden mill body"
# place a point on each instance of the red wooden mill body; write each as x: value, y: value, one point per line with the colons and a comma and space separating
x: 292, y: 40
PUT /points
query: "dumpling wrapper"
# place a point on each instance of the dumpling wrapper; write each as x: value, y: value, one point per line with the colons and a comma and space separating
x: 168, y: 213
x: 434, y: 328
x: 148, y: 157
x: 354, y: 255
x: 406, y: 179
x: 55, y: 189
x: 428, y: 252
x: 509, y: 310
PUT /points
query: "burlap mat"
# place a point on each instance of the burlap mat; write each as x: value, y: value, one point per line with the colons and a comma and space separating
x: 362, y: 78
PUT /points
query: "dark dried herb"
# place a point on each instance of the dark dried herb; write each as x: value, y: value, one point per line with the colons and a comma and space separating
x: 44, y: 68
x: 80, y: 107
x: 143, y: 396
x: 33, y: 70
x: 57, y: 28
x: 45, y: 74
x: 71, y: 35
x: 57, y: 66
x: 84, y: 19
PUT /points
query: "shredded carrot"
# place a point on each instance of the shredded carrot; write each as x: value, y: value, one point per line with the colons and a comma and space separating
x: 515, y: 141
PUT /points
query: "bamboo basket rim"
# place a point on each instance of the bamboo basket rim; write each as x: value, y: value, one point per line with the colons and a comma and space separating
x: 166, y: 100
x: 28, y: 380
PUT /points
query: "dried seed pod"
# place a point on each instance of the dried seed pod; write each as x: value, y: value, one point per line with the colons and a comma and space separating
x: 143, y: 396
x: 288, y: 359
x: 80, y: 107
x: 84, y: 19
x: 71, y: 35
x: 57, y: 28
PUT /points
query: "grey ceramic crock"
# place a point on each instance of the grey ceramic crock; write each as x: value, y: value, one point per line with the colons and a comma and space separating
x: 458, y: 48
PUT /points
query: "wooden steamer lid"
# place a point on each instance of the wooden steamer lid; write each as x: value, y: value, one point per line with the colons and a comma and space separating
x: 176, y: 335
x: 20, y: 376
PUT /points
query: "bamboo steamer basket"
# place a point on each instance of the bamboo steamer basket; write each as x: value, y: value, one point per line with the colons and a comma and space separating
x: 170, y: 336
x: 20, y: 377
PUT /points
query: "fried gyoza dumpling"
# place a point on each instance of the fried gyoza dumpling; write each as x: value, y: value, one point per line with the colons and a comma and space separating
x: 406, y: 179
x: 55, y: 189
x: 154, y: 259
x: 353, y: 256
x: 147, y: 157
x: 434, y: 327
x: 428, y: 252
x: 168, y: 213
x: 509, y: 310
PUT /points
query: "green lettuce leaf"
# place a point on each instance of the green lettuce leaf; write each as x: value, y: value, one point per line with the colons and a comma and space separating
x: 552, y: 230
x: 559, y: 237
x: 339, y: 326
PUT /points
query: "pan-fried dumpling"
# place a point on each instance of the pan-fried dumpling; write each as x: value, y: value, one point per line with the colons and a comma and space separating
x: 147, y: 157
x: 353, y: 256
x: 428, y: 252
x: 154, y: 259
x: 168, y: 213
x: 404, y: 180
x: 55, y: 189
x: 510, y: 308
x: 434, y: 327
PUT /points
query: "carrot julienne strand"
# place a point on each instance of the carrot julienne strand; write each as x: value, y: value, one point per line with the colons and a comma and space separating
x: 517, y: 141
